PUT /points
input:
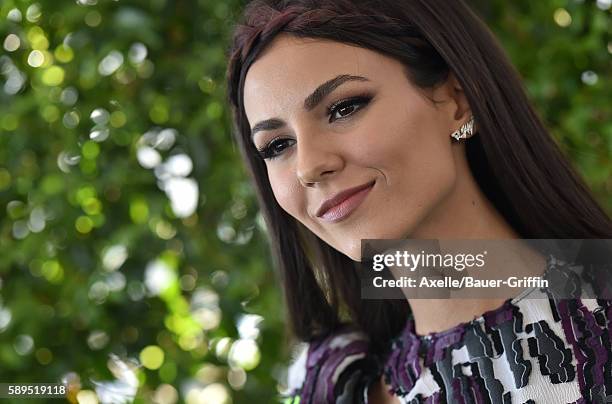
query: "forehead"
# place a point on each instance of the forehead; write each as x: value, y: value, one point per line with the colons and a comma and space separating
x: 290, y: 68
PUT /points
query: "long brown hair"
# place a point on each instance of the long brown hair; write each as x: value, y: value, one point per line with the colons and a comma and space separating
x: 514, y: 159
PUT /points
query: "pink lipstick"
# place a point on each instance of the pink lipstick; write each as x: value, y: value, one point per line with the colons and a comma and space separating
x: 341, y: 205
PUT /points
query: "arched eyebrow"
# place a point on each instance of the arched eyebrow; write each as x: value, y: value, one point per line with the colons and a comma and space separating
x: 310, y: 102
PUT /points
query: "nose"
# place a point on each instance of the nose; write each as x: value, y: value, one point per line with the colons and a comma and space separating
x: 317, y: 160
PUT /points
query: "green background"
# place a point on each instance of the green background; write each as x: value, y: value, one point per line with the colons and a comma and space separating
x: 131, y: 249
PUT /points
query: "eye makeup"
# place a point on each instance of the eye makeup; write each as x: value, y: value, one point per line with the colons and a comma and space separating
x: 350, y: 106
x: 359, y: 100
x: 274, y: 148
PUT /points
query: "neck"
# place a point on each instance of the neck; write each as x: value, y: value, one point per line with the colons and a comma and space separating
x: 465, y: 214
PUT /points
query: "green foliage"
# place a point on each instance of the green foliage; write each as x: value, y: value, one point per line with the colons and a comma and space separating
x: 127, y: 223
x: 562, y: 50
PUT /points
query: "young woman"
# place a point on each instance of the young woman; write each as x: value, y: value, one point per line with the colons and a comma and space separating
x: 387, y: 119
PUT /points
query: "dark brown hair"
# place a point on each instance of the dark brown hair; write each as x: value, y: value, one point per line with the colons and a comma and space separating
x: 514, y: 159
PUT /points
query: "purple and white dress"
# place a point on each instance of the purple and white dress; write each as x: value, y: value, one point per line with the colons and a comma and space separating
x: 532, y: 349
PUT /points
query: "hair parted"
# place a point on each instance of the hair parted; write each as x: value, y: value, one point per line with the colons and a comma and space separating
x: 514, y: 159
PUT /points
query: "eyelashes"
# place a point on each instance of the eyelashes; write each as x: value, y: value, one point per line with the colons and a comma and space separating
x: 274, y: 148
x: 342, y: 105
x: 337, y: 111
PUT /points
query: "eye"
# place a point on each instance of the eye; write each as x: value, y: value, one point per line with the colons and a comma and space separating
x: 275, y: 148
x: 344, y: 108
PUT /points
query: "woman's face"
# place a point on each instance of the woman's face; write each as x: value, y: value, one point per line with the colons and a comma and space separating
x: 343, y: 124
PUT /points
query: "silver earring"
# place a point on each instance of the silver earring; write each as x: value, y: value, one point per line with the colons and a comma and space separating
x: 465, y: 131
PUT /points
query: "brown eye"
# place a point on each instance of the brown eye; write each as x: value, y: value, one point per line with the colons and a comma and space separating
x: 344, y: 111
x: 275, y: 148
x: 346, y: 108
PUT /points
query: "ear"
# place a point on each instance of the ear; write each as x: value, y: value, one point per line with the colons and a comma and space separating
x: 462, y: 110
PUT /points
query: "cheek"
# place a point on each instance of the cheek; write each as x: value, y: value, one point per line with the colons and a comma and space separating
x: 414, y: 155
x: 287, y: 191
x: 385, y: 137
x: 425, y: 173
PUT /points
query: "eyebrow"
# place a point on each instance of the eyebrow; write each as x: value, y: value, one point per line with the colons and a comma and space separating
x: 310, y: 102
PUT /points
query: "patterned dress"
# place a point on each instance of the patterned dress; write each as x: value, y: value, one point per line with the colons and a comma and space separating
x: 532, y: 349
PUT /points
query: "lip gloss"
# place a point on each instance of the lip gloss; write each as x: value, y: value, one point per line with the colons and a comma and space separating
x: 346, y: 207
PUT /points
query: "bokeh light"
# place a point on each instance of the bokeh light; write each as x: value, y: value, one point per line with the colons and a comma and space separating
x: 152, y: 357
x: 562, y: 17
x: 11, y: 43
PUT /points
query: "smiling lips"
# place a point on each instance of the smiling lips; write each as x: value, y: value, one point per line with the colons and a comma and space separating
x: 344, y: 203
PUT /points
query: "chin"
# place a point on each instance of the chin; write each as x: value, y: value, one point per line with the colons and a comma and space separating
x: 353, y: 248
x: 353, y: 251
x: 355, y: 256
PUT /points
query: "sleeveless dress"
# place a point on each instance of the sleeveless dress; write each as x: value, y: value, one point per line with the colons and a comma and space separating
x: 532, y: 349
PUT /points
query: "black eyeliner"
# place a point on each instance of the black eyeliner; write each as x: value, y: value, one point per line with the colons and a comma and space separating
x: 362, y: 98
x: 265, y: 152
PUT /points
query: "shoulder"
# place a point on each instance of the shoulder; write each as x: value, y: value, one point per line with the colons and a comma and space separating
x: 332, y: 369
